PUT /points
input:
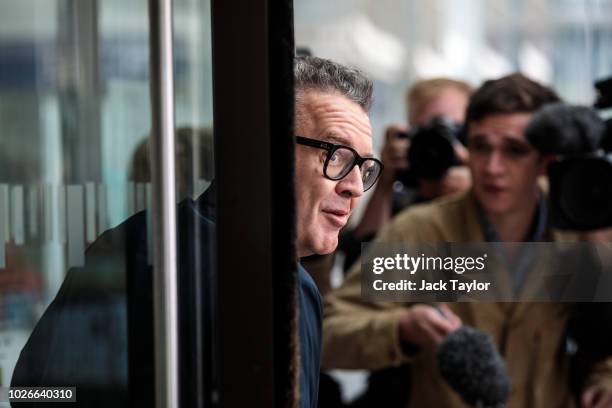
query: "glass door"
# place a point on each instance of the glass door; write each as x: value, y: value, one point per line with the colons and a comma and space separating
x: 75, y: 194
x: 78, y: 202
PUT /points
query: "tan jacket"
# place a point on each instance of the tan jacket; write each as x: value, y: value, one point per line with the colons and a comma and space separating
x: 530, y: 336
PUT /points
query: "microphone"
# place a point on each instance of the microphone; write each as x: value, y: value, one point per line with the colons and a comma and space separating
x: 470, y: 363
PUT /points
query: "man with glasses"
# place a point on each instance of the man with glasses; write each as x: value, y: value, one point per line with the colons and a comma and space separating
x: 334, y: 166
x: 81, y: 340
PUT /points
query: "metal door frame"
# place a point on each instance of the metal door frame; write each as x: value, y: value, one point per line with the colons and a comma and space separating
x: 253, y: 97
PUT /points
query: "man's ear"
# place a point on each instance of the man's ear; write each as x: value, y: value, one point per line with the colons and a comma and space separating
x: 545, y: 161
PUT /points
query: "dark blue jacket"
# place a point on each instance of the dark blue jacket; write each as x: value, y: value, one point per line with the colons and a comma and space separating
x: 310, y: 318
x: 82, y: 338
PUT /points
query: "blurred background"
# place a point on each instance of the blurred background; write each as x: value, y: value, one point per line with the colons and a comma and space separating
x: 563, y: 43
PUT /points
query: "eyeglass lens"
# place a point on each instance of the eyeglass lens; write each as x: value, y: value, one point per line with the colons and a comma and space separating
x: 342, y: 161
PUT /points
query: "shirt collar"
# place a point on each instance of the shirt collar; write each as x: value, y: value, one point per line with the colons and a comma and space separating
x: 536, y: 230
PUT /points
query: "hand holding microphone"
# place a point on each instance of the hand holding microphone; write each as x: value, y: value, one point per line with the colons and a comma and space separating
x: 425, y: 326
x: 467, y: 358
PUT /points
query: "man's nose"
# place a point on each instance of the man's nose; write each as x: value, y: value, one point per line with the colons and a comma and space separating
x: 351, y: 185
x: 495, y: 163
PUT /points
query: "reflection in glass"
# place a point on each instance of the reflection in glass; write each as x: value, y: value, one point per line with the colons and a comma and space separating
x: 74, y: 112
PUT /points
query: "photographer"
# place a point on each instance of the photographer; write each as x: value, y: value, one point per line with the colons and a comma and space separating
x: 426, y: 100
x: 399, y: 187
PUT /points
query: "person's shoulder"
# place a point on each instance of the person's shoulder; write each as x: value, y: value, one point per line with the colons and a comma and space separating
x: 309, y: 291
x: 132, y: 231
x: 436, y: 219
x: 131, y: 236
x: 306, y: 282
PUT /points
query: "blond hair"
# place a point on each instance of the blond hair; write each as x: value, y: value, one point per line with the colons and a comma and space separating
x: 425, y: 90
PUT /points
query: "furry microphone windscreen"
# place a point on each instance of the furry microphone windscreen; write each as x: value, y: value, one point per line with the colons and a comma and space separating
x: 565, y: 129
x: 470, y: 363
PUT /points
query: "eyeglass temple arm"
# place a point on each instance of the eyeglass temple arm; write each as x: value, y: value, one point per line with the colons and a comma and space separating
x: 313, y: 143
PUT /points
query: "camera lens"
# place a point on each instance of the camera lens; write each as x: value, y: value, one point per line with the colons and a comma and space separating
x: 431, y: 155
x: 431, y: 151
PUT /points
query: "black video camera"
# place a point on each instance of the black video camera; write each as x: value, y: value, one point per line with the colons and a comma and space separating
x: 581, y: 192
x: 581, y: 176
x: 431, y: 152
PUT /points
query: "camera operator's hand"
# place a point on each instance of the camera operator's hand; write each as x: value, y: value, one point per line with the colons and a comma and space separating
x: 461, y: 152
x: 456, y: 179
x: 595, y: 397
x: 425, y: 327
x: 393, y: 154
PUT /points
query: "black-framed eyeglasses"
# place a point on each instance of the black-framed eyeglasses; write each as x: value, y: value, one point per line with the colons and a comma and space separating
x: 341, y: 159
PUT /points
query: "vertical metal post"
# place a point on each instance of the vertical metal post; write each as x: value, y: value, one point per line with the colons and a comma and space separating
x: 164, y: 203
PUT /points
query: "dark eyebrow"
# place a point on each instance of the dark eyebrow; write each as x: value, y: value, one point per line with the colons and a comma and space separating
x: 477, y: 136
x: 509, y: 139
x: 516, y: 142
x: 337, y: 139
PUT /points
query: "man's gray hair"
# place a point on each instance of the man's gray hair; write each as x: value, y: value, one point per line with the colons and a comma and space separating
x: 313, y: 73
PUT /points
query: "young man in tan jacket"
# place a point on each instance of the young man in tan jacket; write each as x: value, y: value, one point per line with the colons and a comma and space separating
x: 504, y: 204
